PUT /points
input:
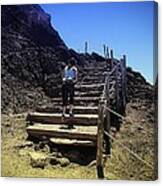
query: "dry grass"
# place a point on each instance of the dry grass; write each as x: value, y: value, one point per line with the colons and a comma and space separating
x: 138, y: 135
x: 18, y: 165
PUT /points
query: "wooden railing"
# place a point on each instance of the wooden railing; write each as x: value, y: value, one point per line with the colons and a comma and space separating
x: 117, y: 72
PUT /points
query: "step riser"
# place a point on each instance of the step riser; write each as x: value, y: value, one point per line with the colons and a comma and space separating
x: 86, y: 94
x: 94, y: 74
x: 78, y: 100
x: 104, y: 68
x: 60, y: 120
x: 81, y: 103
x: 59, y: 110
x: 93, y: 81
x: 92, y: 77
x: 40, y: 133
x: 75, y: 143
x: 85, y: 89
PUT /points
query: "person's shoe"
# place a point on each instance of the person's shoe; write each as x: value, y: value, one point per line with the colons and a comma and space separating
x: 63, y: 114
x: 71, y: 114
x: 70, y: 126
x: 63, y: 117
x: 67, y: 110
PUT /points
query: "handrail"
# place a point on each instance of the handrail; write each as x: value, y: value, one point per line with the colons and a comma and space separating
x: 114, y: 112
x: 113, y: 70
x: 104, y: 122
x: 100, y: 133
x: 130, y: 151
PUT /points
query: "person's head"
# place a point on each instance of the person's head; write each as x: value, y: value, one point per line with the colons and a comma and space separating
x: 71, y: 62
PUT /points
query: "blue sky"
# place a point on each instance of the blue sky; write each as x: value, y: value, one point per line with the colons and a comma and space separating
x: 127, y: 28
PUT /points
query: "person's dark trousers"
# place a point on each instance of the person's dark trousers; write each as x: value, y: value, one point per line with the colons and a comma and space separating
x: 68, y: 92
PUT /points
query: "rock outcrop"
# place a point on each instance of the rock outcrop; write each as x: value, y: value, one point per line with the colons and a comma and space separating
x: 33, y: 56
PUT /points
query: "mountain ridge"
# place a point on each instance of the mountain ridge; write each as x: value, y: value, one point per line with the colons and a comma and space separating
x: 33, y: 56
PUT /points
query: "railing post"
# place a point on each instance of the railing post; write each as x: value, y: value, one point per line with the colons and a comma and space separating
x: 104, y: 49
x: 111, y: 54
x: 117, y: 98
x: 100, y: 133
x: 86, y: 47
x: 125, y: 79
x: 107, y: 52
x: 107, y: 119
x: 123, y: 87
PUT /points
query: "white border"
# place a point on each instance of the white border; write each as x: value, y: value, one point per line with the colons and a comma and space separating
x: 58, y: 1
x: 52, y: 182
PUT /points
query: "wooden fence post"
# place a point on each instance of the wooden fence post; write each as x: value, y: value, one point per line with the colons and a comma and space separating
x: 86, y: 47
x: 117, y: 97
x: 123, y: 86
x: 104, y: 50
x: 107, y: 52
x: 107, y: 119
x: 111, y: 54
x: 100, y: 133
x: 125, y: 79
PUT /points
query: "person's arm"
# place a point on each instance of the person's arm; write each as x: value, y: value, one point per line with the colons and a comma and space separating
x: 76, y: 75
x: 64, y: 75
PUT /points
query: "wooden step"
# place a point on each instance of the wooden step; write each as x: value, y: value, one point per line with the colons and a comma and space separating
x: 78, y: 99
x: 86, y: 87
x: 95, y: 68
x: 76, y: 110
x: 94, y: 71
x: 93, y: 81
x: 82, y: 101
x: 91, y: 73
x: 73, y: 142
x: 94, y: 75
x: 89, y: 93
x: 91, y: 87
x: 58, y: 131
x: 49, y: 118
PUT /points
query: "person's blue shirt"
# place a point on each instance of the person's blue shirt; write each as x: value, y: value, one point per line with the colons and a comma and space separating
x: 70, y: 73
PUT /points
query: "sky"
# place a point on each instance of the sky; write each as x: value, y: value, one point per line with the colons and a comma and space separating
x: 127, y: 28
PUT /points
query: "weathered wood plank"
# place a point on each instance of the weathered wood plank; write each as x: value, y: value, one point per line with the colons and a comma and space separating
x: 90, y: 86
x: 98, y: 68
x: 125, y: 80
x: 59, y: 99
x: 100, y: 132
x: 107, y: 123
x: 76, y: 110
x: 58, y: 131
x: 73, y: 142
x: 49, y: 118
x: 89, y: 93
x: 80, y: 100
x: 92, y: 81
x: 117, y: 99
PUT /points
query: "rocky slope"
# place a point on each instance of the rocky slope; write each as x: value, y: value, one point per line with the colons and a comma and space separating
x: 33, y: 55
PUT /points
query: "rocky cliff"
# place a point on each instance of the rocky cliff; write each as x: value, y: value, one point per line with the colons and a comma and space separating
x: 33, y: 55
